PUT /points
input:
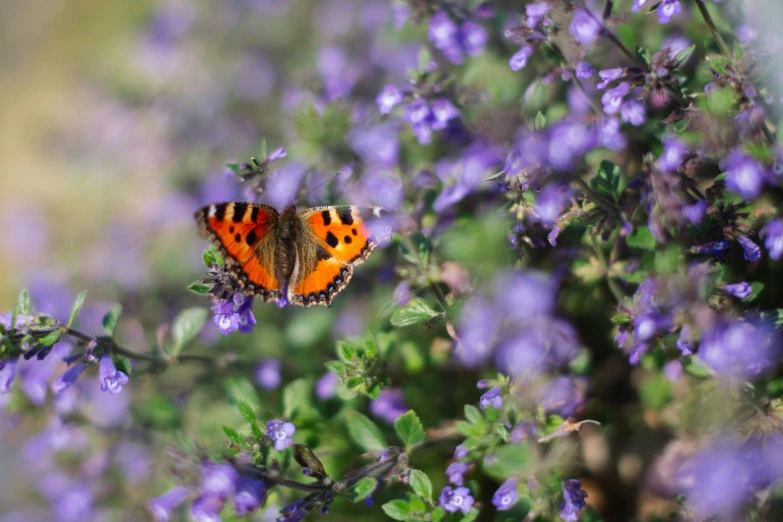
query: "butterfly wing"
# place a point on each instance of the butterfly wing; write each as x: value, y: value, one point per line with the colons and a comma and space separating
x: 334, y: 240
x: 244, y: 235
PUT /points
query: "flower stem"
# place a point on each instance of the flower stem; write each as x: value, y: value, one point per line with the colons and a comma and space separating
x: 713, y: 30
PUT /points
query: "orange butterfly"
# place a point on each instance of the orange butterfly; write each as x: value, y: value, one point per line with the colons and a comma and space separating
x: 304, y: 259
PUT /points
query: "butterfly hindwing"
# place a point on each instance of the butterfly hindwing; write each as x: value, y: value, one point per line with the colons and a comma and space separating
x: 334, y: 240
x: 243, y: 233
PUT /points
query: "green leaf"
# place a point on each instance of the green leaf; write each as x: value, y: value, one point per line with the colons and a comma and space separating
x: 232, y: 434
x: 124, y: 366
x: 471, y: 516
x: 695, y: 368
x: 683, y: 55
x: 540, y: 121
x: 607, y: 180
x: 353, y: 382
x: 420, y: 483
x: 297, y: 397
x: 364, y: 432
x: 757, y: 287
x: 111, y: 319
x: 246, y: 411
x: 643, y: 55
x: 417, y: 311
x: 77, y: 306
x: 409, y: 429
x: 470, y: 430
x: 51, y: 338
x: 437, y: 514
x: 423, y: 247
x: 473, y: 414
x: 307, y: 459
x: 507, y: 460
x: 186, y: 326
x: 335, y: 367
x: 425, y: 58
x: 199, y: 288
x: 364, y: 488
x: 641, y: 238
x: 212, y: 257
x: 370, y: 349
x: 345, y: 352
x: 24, y: 303
x: 721, y: 101
x: 397, y: 509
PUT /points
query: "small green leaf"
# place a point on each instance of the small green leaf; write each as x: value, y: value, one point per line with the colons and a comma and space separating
x: 307, y: 459
x: 409, y: 429
x: 345, y: 352
x: 364, y: 432
x: 111, y: 319
x: 124, y: 366
x: 437, y: 514
x: 415, y: 312
x: 199, y: 288
x: 470, y: 430
x: 540, y: 121
x: 420, y: 483
x: 423, y: 247
x: 507, y: 460
x: 364, y: 488
x: 473, y: 415
x: 607, y: 180
x: 370, y: 350
x: 425, y: 58
x: 335, y: 367
x: 186, y: 326
x: 246, y: 411
x: 683, y: 55
x: 353, y: 382
x: 77, y: 306
x: 51, y: 338
x: 757, y: 287
x: 24, y: 303
x: 297, y: 397
x: 232, y: 434
x: 643, y: 55
x: 641, y: 238
x: 695, y: 368
x: 397, y: 509
x: 471, y: 516
x: 212, y: 257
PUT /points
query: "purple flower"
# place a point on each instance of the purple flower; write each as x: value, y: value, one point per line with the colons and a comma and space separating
x: 752, y: 252
x: 673, y: 370
x: 574, y: 498
x: 506, y: 495
x: 7, y: 374
x: 250, y: 495
x: 491, y: 398
x: 673, y: 155
x: 569, y: 140
x: 613, y: 98
x: 584, y: 70
x: 442, y: 111
x: 738, y: 290
x: 638, y: 4
x: 584, y: 27
x: 633, y: 112
x: 552, y: 236
x: 162, y: 506
x: 610, y: 135
x: 218, y: 480
x: 550, y: 203
x: 326, y: 386
x: 518, y: 61
x: 695, y: 213
x: 73, y: 505
x: 235, y: 314
x: 647, y: 325
x: 739, y: 349
x: 772, y: 234
x: 268, y: 374
x: 444, y: 35
x: 535, y: 12
x: 744, y: 175
x: 473, y: 37
x: 388, y: 98
x: 68, y: 378
x: 667, y: 9
x: 207, y: 509
x: 685, y: 341
x: 562, y: 396
x: 453, y: 500
x: 461, y: 451
x: 281, y: 432
x: 524, y: 430
x: 389, y: 405
x: 111, y: 380
x: 608, y: 76
x: 456, y: 471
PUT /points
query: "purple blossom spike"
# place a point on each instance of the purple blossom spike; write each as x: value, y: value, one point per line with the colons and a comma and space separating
x: 519, y: 60
x: 772, y: 234
x: 506, y: 495
x: 281, y: 432
x: 388, y: 98
x: 442, y: 111
x: 751, y: 251
x: 673, y: 155
x: 68, y: 378
x: 667, y: 9
x: 608, y: 76
x: 111, y: 379
x: 74, y: 504
x: 207, y: 509
x: 7, y: 374
x: 461, y: 451
x: 637, y: 5
x: 685, y: 341
x: 524, y: 430
x: 473, y: 37
x: 491, y: 398
x: 584, y: 70
x: 250, y: 495
x: 218, y: 480
x: 268, y: 374
x: 453, y: 500
x: 739, y: 290
x: 550, y: 203
x: 161, y: 507
x: 456, y: 472
x: 444, y: 35
x: 613, y: 98
x: 534, y: 12
x: 584, y: 27
x: 695, y: 213
x: 235, y: 314
x: 744, y: 175
x: 574, y: 498
x: 633, y: 112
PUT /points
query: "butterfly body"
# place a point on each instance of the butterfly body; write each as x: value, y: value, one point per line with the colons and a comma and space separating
x: 303, y: 259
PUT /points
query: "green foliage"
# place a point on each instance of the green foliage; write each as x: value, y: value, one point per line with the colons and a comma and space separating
x: 409, y: 429
x: 415, y: 312
x: 185, y: 328
x: 77, y: 306
x: 420, y: 484
x: 111, y: 319
x: 364, y: 432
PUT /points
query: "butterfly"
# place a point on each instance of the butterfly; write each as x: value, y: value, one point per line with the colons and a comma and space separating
x: 304, y: 259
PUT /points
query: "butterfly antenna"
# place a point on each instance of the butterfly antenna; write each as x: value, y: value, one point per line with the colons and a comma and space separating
x: 316, y: 188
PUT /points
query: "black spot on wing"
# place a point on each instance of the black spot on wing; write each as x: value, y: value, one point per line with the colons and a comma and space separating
x: 347, y: 239
x: 251, y: 237
x: 353, y: 231
x: 320, y: 254
x: 254, y: 216
x: 220, y: 212
x: 327, y: 217
x: 231, y: 229
x: 332, y: 240
x: 238, y: 238
x: 239, y: 211
x: 346, y: 218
